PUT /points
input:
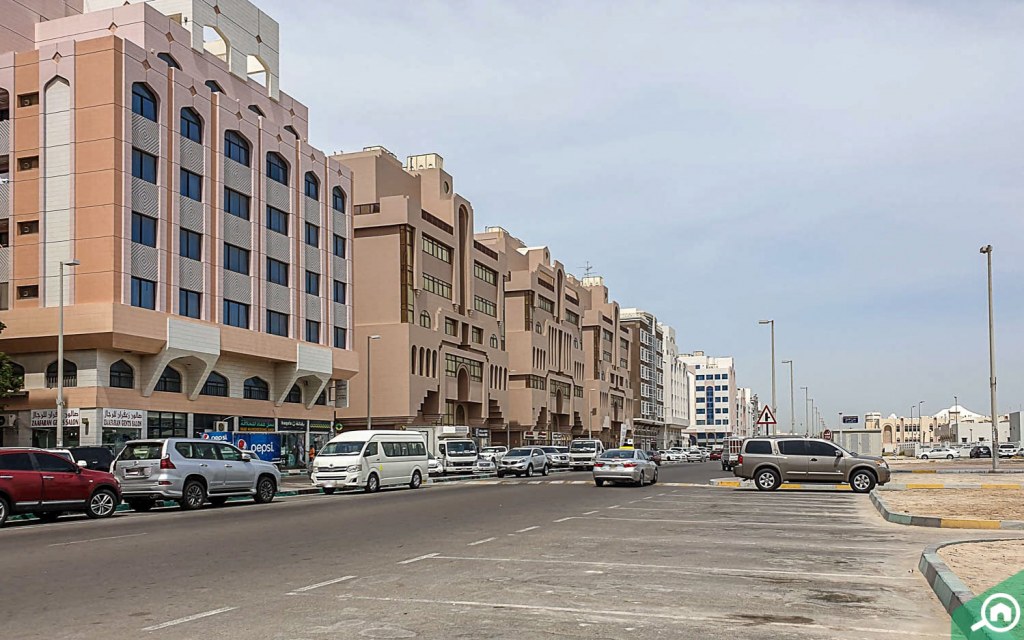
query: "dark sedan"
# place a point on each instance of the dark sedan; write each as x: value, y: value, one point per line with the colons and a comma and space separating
x: 981, y: 452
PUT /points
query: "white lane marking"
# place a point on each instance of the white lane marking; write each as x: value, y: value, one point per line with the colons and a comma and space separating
x: 473, y: 544
x: 528, y: 529
x: 63, y: 544
x: 720, y: 523
x: 558, y: 482
x: 320, y: 584
x: 647, y: 498
x: 773, y: 514
x: 535, y: 482
x: 562, y: 519
x: 688, y: 570
x: 624, y: 614
x: 590, y: 513
x: 418, y: 558
x: 614, y: 506
x: 197, y: 616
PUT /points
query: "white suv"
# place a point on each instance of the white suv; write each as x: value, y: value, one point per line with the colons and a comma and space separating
x: 191, y: 471
x: 1008, y: 450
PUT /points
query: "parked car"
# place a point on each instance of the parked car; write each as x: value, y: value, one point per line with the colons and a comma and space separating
x: 192, y: 471
x: 371, y: 459
x: 484, y: 465
x: 95, y: 458
x: 47, y: 485
x: 981, y: 451
x: 494, y: 453
x: 938, y: 453
x: 524, y: 461
x: 1008, y: 450
x: 696, y: 455
x: 434, y: 466
x: 625, y: 465
x: 655, y: 457
x: 731, y: 452
x: 771, y: 461
x: 558, y: 457
x: 716, y: 454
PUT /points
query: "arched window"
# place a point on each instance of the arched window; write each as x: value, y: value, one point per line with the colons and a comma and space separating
x: 256, y: 389
x: 122, y: 376
x: 338, y: 199
x: 294, y: 395
x: 170, y: 381
x: 144, y: 101
x: 433, y: 365
x: 236, y: 147
x: 70, y: 374
x: 425, y: 320
x: 423, y: 355
x: 494, y: 341
x: 312, y: 186
x: 191, y: 125
x: 17, y: 376
x: 168, y: 60
x: 277, y: 168
x: 412, y: 361
x: 216, y: 385
x: 255, y: 109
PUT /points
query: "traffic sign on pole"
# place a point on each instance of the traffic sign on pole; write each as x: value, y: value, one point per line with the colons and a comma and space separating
x: 766, y: 417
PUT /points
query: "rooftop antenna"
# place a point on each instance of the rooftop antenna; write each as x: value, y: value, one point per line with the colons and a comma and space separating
x: 587, y: 269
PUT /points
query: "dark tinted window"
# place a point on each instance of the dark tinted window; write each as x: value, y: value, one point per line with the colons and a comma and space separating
x: 227, y: 452
x: 143, y: 229
x: 759, y: 446
x: 277, y: 220
x: 191, y: 185
x: 792, y: 448
x: 235, y: 203
x: 15, y: 462
x: 191, y: 126
x: 815, y: 448
x: 277, y: 168
x: 142, y: 451
x: 371, y: 449
x: 190, y: 244
x: 144, y: 165
x: 277, y: 323
x: 143, y: 101
x: 50, y: 462
x: 312, y: 186
x: 277, y: 272
x: 236, y: 147
x: 143, y: 293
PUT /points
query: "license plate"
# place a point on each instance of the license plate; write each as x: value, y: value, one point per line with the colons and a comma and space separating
x: 133, y: 472
x: 616, y: 466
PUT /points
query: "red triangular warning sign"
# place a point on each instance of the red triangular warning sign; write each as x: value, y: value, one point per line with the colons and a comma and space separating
x: 766, y: 417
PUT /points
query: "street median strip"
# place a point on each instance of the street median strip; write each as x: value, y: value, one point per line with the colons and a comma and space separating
x: 786, y: 486
x: 938, y: 521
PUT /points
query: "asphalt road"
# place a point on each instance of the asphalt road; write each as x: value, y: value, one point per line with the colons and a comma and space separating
x: 544, y: 557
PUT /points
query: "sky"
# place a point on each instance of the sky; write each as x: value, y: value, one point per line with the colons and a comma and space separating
x: 834, y: 166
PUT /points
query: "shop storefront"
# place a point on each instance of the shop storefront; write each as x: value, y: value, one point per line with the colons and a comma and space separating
x: 320, y: 433
x: 166, y: 424
x: 294, y: 451
x: 118, y: 426
x: 43, y: 423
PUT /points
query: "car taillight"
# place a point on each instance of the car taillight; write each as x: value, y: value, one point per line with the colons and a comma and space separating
x: 598, y: 464
x: 165, y: 463
x: 629, y: 464
x: 739, y: 460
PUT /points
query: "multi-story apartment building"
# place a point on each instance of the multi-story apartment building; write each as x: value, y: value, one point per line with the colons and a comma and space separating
x: 677, y: 391
x: 647, y: 374
x: 544, y: 308
x: 429, y: 301
x: 608, y: 390
x: 203, y: 242
x: 745, y: 418
x: 714, y: 397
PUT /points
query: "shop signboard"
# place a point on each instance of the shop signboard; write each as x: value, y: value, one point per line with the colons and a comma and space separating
x: 47, y: 418
x: 320, y: 426
x: 291, y: 424
x: 481, y: 433
x: 218, y: 436
x: 256, y: 425
x: 123, y: 418
x: 266, y: 446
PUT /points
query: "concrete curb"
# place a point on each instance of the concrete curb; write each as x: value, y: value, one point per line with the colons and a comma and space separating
x: 956, y: 471
x: 786, y: 486
x: 950, y: 590
x: 939, y: 522
x: 945, y: 485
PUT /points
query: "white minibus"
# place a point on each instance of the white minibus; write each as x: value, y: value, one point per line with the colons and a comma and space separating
x: 370, y: 460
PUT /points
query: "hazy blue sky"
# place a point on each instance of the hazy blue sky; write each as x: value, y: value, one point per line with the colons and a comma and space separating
x: 832, y: 165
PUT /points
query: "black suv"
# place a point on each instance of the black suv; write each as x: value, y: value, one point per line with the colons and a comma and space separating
x: 981, y: 451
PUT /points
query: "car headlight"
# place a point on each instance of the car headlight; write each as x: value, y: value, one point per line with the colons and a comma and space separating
x: 353, y: 468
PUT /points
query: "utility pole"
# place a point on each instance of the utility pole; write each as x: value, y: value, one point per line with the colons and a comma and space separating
x: 775, y: 405
x: 792, y: 411
x: 807, y: 415
x: 369, y: 383
x: 987, y: 250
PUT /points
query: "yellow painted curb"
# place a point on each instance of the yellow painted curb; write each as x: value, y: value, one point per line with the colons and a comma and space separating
x: 956, y: 523
x: 922, y: 485
x: 729, y: 483
x: 1003, y: 486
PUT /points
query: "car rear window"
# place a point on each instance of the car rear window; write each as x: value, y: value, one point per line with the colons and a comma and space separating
x: 792, y: 448
x: 15, y: 462
x: 759, y: 446
x: 142, y: 451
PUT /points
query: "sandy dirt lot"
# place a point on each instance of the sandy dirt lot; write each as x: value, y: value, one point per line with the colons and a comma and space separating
x: 959, y: 478
x: 962, y: 463
x: 982, y: 565
x: 996, y: 504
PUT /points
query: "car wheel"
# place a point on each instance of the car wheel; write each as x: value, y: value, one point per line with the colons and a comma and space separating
x: 924, y: 456
x: 529, y: 471
x: 372, y: 483
x: 949, y: 457
x: 4, y: 510
x: 102, y: 504
x: 767, y: 480
x: 328, y: 490
x: 501, y: 474
x: 654, y: 480
x: 218, y: 502
x: 265, y: 490
x: 643, y: 479
x: 862, y: 481
x: 599, y: 482
x: 141, y: 505
x: 544, y: 470
x: 193, y: 496
x: 48, y: 516
x: 417, y: 480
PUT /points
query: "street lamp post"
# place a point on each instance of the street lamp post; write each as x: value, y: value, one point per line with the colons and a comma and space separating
x: 60, y: 352
x: 792, y: 410
x: 987, y: 250
x: 807, y: 415
x: 775, y: 406
x: 811, y: 421
x: 911, y: 423
x: 369, y: 383
x: 920, y: 421
x: 956, y: 407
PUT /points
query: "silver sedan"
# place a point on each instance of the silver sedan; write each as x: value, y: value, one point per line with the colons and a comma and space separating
x: 625, y: 465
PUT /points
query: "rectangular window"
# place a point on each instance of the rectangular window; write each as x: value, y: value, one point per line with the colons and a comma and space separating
x: 478, y: 335
x: 277, y: 220
x: 191, y: 244
x: 143, y: 229
x: 339, y: 292
x: 572, y: 317
x: 236, y: 259
x: 437, y: 249
x: 237, y: 204
x: 452, y: 363
x: 340, y: 338
x: 191, y: 185
x: 312, y: 283
x: 28, y: 291
x: 277, y: 272
x: 277, y: 323
x: 483, y: 305
x: 189, y: 303
x: 143, y: 293
x: 339, y: 246
x: 236, y: 314
x: 437, y: 286
x: 451, y: 327
x: 485, y: 273
x: 312, y: 331
x: 549, y: 306
x: 143, y: 165
x: 312, y: 235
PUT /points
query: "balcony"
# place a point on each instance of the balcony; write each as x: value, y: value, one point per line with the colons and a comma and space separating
x: 363, y: 209
x: 69, y: 381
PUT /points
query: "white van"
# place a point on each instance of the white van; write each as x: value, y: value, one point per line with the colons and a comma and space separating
x: 371, y: 460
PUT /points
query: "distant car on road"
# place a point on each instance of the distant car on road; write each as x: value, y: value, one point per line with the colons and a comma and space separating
x: 625, y: 465
x: 771, y: 461
x: 47, y: 485
x: 558, y: 457
x: 981, y: 451
x: 484, y: 465
x: 716, y: 454
x: 696, y: 455
x: 939, y: 452
x: 655, y: 457
x: 524, y: 461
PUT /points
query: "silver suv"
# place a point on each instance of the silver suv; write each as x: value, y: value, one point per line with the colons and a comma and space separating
x: 524, y: 461
x: 191, y: 471
x: 771, y: 461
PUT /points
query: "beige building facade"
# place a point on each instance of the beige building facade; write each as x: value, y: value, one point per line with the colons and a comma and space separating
x: 208, y: 284
x: 608, y: 387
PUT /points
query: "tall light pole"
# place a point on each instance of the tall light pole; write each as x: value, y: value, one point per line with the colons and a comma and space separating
x: 807, y: 415
x: 792, y: 410
x: 60, y: 352
x: 920, y: 420
x: 369, y: 382
x: 987, y: 250
x: 956, y: 407
x: 811, y: 420
x: 775, y: 406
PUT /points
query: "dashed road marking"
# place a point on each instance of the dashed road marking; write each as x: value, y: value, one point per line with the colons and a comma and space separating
x: 590, y: 513
x: 418, y: 558
x: 197, y: 616
x: 64, y: 544
x: 319, y: 584
x: 473, y: 544
x: 562, y: 519
x: 528, y: 529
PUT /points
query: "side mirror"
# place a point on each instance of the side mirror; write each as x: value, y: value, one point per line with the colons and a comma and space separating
x: 82, y: 464
x: 839, y: 454
x: 246, y: 457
